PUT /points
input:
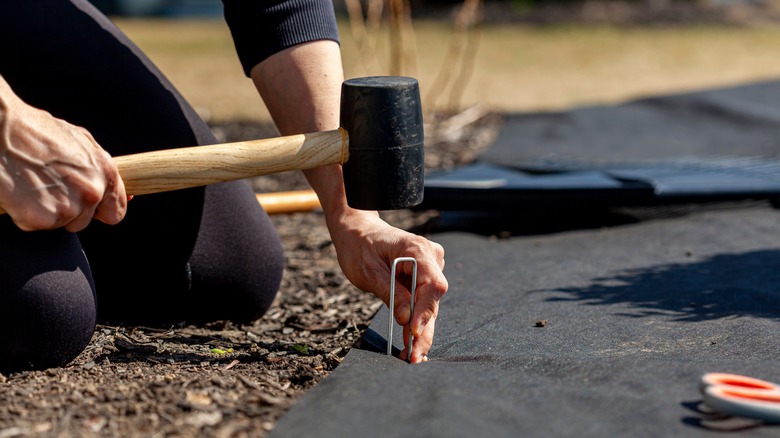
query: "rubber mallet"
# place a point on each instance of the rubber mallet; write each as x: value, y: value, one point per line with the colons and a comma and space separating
x: 379, y: 143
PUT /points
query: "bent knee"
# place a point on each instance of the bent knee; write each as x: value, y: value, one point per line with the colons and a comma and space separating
x: 47, y: 322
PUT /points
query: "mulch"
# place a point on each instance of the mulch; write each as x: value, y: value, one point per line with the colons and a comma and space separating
x: 223, y: 379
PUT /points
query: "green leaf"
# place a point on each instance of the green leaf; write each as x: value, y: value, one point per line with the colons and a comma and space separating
x: 302, y: 349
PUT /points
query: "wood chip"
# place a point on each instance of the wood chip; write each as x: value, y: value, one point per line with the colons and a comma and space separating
x: 231, y: 364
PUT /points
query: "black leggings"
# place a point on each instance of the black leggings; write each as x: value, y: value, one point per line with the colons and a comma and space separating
x: 192, y: 255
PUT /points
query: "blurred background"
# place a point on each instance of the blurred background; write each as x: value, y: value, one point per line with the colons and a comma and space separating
x: 484, y: 55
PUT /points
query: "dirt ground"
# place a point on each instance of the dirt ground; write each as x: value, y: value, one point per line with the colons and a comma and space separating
x: 223, y: 380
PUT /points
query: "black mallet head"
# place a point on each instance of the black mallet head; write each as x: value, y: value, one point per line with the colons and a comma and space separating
x: 383, y: 118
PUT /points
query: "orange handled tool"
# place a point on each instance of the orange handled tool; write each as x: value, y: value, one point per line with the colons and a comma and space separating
x: 741, y: 396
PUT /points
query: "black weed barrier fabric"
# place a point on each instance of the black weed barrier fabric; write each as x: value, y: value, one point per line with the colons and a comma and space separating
x: 587, y: 326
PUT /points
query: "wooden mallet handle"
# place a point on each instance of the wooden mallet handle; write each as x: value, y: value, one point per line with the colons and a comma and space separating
x: 180, y: 168
x: 174, y: 169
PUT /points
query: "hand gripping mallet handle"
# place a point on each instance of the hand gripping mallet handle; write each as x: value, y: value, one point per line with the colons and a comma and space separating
x: 380, y: 143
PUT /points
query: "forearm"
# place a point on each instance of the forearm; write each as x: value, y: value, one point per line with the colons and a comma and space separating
x: 301, y: 88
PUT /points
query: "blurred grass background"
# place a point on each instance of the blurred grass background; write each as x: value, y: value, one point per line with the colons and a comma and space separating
x: 508, y: 67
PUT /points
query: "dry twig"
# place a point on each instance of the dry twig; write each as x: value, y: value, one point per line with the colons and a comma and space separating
x: 460, y: 56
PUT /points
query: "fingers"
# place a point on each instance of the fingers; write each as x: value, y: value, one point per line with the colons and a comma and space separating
x: 101, y: 197
x: 81, y: 221
x: 107, y: 204
x: 113, y: 207
x: 431, y: 287
x: 421, y: 345
x: 403, y: 298
x: 57, y: 174
x: 112, y: 204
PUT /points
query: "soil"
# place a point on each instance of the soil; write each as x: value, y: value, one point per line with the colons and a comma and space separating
x: 223, y: 379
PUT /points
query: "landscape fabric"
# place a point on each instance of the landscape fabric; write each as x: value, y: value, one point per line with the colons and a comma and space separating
x: 587, y: 325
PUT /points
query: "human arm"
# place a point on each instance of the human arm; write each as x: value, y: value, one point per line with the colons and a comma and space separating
x: 53, y: 174
x: 301, y: 88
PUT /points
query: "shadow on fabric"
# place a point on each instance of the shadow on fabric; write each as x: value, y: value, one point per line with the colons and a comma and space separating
x: 726, y: 285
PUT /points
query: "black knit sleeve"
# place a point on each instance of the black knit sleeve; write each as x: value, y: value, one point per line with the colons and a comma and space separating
x: 261, y: 28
